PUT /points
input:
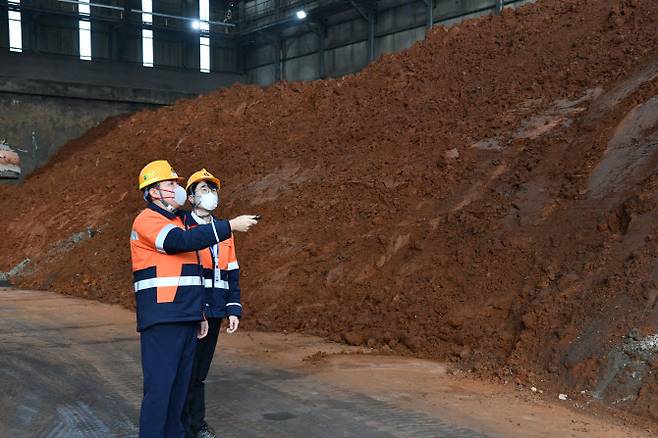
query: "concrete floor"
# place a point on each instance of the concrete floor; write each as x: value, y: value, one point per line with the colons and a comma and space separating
x: 70, y: 368
x: 65, y: 372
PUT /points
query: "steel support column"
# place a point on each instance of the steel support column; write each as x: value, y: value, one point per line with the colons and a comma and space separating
x: 278, y: 61
x: 320, y: 29
x: 370, y: 15
x: 499, y: 7
x: 371, y: 36
x: 282, y: 59
x: 321, y: 67
x: 429, y: 13
x: 279, y: 58
x: 276, y: 41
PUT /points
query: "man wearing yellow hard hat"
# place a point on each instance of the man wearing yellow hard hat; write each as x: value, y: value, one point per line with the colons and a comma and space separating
x: 170, y: 294
x: 222, y: 278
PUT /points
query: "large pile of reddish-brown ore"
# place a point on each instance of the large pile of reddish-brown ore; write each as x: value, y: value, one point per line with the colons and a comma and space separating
x: 487, y: 196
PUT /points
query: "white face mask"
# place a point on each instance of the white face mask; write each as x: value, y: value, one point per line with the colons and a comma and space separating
x: 208, y: 201
x: 180, y: 195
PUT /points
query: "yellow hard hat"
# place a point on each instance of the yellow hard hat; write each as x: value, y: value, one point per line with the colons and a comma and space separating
x: 156, y: 171
x: 202, y: 175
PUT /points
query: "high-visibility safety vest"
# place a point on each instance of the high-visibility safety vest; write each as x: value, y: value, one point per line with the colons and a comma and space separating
x: 221, y: 275
x: 168, y: 276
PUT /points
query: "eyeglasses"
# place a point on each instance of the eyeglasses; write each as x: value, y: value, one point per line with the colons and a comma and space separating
x: 206, y: 189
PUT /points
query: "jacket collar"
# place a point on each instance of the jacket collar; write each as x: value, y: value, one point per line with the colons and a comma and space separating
x: 162, y: 211
x: 196, y: 218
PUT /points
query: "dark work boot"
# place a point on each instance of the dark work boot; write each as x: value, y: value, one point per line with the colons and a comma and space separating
x: 205, y: 432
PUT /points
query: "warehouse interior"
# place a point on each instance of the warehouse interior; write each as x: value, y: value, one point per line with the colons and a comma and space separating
x: 76, y: 64
x: 448, y: 212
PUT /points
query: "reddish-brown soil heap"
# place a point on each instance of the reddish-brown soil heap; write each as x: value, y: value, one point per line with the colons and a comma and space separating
x: 487, y: 196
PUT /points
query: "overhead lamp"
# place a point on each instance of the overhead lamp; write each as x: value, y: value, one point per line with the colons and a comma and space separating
x: 196, y: 25
x: 301, y: 15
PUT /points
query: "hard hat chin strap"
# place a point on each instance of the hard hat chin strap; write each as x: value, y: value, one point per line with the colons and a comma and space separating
x: 167, y: 205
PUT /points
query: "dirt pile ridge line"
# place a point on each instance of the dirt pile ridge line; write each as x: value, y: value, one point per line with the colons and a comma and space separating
x: 450, y: 201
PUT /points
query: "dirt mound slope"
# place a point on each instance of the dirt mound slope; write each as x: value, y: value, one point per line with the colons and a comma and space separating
x: 486, y: 196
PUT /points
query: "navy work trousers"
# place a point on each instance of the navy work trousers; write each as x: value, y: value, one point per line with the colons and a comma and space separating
x: 195, y: 409
x: 167, y: 359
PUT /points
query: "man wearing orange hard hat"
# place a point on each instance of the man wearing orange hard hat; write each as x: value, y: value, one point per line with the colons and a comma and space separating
x: 222, y: 277
x: 170, y: 294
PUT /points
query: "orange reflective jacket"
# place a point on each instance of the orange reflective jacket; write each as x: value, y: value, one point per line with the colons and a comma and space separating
x: 222, y: 276
x: 167, y: 273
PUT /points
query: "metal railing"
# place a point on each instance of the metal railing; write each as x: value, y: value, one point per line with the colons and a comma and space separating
x: 256, y: 9
x: 178, y: 17
x: 112, y: 13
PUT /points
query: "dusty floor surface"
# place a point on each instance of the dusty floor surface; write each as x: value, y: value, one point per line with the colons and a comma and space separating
x: 70, y: 367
